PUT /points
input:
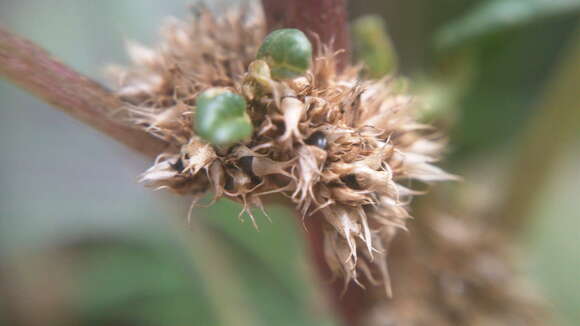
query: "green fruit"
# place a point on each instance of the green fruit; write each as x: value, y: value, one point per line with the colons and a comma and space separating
x: 221, y: 117
x: 288, y: 52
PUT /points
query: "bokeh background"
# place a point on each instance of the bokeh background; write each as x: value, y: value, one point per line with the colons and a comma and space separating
x: 82, y: 243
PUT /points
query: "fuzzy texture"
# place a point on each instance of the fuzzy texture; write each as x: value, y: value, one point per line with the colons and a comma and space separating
x: 452, y: 271
x: 333, y: 143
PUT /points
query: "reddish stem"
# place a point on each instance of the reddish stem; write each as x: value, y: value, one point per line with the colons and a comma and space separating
x: 328, y: 20
x: 348, y: 305
x: 35, y: 70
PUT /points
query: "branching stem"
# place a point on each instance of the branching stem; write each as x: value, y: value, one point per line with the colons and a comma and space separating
x: 35, y: 70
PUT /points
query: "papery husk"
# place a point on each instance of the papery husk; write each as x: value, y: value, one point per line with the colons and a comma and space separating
x: 360, y: 181
x: 453, y: 271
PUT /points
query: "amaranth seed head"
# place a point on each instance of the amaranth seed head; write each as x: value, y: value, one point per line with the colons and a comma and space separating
x: 341, y: 148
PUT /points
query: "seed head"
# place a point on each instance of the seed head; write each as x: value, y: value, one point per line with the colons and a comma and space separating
x: 342, y: 148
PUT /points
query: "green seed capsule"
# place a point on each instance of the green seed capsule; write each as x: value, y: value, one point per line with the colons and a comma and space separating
x: 221, y: 117
x: 288, y: 52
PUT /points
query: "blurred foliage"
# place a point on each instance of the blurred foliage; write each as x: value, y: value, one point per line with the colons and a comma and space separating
x: 150, y: 274
x: 272, y: 264
x: 500, y: 97
x: 373, y: 46
x: 552, y: 243
x: 75, y: 235
x: 139, y: 283
x: 499, y: 16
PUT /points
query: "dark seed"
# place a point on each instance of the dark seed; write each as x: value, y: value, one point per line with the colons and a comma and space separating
x: 318, y: 139
x: 246, y: 164
x: 350, y: 180
x: 229, y: 184
x: 178, y: 165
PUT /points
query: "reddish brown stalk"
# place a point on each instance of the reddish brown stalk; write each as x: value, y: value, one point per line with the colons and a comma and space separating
x: 328, y: 19
x: 350, y: 304
x: 35, y: 70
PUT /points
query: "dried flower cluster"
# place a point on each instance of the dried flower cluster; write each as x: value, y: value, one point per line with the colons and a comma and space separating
x: 453, y: 271
x: 344, y: 148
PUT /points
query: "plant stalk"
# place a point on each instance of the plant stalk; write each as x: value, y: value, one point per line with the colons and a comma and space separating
x: 325, y: 21
x: 36, y: 71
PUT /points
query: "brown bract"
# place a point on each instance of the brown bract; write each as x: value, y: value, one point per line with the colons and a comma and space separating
x: 330, y: 141
x: 456, y: 271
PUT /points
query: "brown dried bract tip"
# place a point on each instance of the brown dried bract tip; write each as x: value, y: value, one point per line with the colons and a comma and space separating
x: 331, y: 142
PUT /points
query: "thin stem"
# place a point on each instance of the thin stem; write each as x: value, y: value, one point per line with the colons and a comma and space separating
x: 35, y: 70
x: 549, y: 132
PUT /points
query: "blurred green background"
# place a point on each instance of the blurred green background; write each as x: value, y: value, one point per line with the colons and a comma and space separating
x: 81, y: 241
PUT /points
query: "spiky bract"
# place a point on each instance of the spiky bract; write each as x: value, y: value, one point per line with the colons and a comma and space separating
x: 343, y: 149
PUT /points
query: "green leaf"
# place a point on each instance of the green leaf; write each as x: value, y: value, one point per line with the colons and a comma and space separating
x: 498, y: 15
